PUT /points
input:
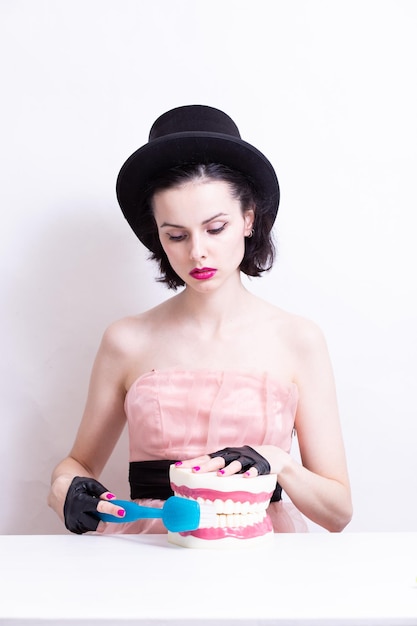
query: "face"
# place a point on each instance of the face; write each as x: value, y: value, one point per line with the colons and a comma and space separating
x: 202, y: 229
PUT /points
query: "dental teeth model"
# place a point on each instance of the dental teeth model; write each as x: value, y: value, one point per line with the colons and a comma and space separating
x: 240, y: 504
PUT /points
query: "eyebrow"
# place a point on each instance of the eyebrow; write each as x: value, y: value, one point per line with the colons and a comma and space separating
x: 165, y: 224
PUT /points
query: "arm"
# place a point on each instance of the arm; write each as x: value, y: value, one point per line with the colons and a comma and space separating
x: 320, y: 487
x: 101, y: 425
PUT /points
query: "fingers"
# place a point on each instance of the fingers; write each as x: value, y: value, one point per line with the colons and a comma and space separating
x: 228, y: 461
x: 240, y: 459
x: 235, y: 467
x: 251, y: 472
x: 84, y: 497
x: 217, y: 464
x: 104, y: 505
x: 232, y: 468
x: 107, y: 495
x: 202, y: 464
x: 198, y: 461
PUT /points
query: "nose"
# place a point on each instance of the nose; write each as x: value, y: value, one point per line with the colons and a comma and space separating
x: 197, y: 248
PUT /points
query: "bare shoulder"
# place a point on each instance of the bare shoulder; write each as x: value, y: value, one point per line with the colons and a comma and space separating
x: 305, y: 334
x: 310, y: 355
x: 302, y: 332
x: 118, y: 336
x: 130, y: 338
x: 299, y: 336
x: 128, y: 333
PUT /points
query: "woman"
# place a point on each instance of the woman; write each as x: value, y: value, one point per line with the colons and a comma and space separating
x: 214, y: 366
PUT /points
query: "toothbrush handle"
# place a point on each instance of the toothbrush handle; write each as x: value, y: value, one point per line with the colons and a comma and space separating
x: 133, y: 512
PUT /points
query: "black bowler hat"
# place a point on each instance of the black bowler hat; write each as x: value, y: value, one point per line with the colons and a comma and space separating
x: 191, y: 134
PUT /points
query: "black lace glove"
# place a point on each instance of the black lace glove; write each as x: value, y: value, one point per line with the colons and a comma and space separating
x: 247, y: 457
x: 80, y: 508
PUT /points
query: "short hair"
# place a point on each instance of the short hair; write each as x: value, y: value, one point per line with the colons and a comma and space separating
x: 259, y: 252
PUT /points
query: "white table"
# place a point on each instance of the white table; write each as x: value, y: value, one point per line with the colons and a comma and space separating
x: 317, y: 578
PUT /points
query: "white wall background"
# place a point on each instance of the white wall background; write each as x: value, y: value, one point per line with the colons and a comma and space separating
x: 327, y: 89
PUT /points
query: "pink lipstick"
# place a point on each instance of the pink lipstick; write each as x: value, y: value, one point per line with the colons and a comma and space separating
x: 203, y: 273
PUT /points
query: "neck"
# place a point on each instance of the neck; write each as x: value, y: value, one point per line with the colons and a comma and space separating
x: 214, y: 310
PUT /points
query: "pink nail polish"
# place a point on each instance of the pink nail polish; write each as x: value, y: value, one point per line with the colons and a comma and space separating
x: 221, y: 471
x: 121, y: 513
x: 178, y: 463
x: 110, y: 496
x: 196, y: 468
x: 247, y: 473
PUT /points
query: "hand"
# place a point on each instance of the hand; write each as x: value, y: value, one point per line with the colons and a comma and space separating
x: 240, y: 460
x: 83, y: 498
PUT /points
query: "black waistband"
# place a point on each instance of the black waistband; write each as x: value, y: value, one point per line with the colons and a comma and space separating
x: 150, y: 479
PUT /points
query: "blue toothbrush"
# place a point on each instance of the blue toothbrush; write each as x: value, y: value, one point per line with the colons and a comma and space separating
x: 177, y: 514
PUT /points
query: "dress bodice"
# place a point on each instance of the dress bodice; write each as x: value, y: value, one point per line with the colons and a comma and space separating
x: 178, y: 414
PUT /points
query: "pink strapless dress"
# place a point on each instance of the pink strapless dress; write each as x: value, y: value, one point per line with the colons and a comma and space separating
x: 180, y: 414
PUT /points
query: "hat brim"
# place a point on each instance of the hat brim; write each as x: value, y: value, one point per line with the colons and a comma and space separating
x: 178, y: 149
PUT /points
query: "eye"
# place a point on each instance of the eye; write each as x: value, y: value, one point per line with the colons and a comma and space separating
x: 217, y: 230
x: 176, y: 237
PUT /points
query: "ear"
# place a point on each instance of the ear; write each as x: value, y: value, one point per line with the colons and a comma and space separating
x: 249, y: 218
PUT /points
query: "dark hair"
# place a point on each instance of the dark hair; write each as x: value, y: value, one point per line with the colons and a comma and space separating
x: 259, y: 249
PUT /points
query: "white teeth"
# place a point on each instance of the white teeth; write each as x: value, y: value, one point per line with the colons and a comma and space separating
x: 235, y: 520
x: 218, y: 506
x: 229, y: 513
x: 245, y: 507
x: 228, y: 507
